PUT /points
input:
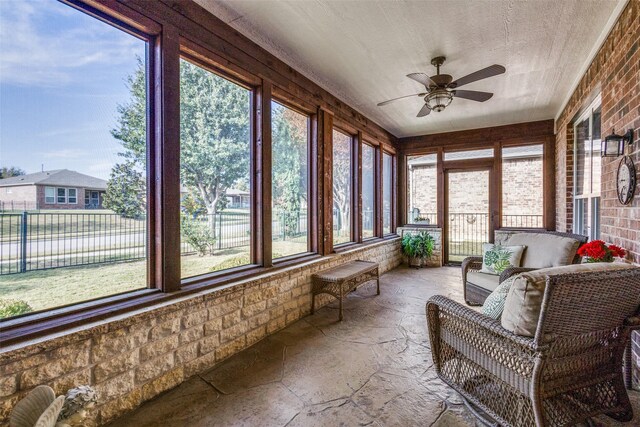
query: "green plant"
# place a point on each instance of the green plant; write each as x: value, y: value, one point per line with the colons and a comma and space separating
x: 198, y: 234
x: 418, y: 245
x: 13, y: 307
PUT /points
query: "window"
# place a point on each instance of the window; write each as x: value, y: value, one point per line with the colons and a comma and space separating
x: 72, y: 196
x: 368, y: 191
x: 49, y: 195
x: 74, y: 102
x: 342, y: 187
x: 422, y: 189
x: 387, y: 193
x: 215, y: 153
x: 522, y: 187
x: 587, y: 170
x: 62, y: 195
x: 468, y: 155
x: 289, y: 178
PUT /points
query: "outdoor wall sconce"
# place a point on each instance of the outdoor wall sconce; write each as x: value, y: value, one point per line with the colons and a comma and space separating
x: 614, y: 144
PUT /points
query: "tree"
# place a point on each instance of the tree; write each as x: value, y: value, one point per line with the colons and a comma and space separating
x: 342, y: 179
x: 125, y: 193
x: 214, y: 134
x: 290, y: 140
x: 8, y: 172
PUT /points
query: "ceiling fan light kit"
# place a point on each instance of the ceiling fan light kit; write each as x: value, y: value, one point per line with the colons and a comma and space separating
x: 441, y: 88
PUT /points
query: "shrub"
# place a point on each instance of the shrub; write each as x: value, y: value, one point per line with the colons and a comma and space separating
x: 198, y: 234
x: 13, y: 307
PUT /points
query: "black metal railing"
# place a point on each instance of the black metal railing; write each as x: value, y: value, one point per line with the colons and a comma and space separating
x: 466, y: 232
x: 522, y: 221
x: 37, y: 241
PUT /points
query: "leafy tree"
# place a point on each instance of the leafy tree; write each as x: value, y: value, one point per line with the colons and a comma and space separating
x: 289, y: 165
x: 342, y: 179
x: 214, y: 135
x: 8, y: 172
x: 125, y: 193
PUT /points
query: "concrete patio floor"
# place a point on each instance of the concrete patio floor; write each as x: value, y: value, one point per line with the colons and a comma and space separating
x: 374, y: 368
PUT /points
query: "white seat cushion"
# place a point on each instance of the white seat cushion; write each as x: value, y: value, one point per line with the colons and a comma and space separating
x: 487, y: 281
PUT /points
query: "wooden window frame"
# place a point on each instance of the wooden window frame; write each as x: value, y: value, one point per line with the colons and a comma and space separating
x: 393, y: 207
x: 169, y: 39
x: 355, y: 162
x: 376, y: 184
x: 285, y: 101
x: 403, y: 183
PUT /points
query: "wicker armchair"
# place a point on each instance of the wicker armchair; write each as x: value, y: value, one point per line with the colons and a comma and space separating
x: 572, y: 368
x: 475, y: 294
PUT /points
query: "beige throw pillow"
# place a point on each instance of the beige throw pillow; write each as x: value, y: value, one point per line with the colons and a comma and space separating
x: 524, y: 299
x: 545, y: 250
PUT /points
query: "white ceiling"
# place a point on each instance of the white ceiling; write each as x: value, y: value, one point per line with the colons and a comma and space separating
x: 360, y: 51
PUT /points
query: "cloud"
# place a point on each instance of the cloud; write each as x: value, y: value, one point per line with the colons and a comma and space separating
x: 45, y: 43
x: 65, y: 153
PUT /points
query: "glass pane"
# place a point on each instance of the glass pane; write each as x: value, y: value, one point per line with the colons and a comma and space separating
x: 467, y: 213
x: 387, y: 196
x: 583, y: 158
x: 215, y: 148
x: 368, y: 193
x: 596, y: 158
x: 522, y: 189
x: 471, y: 154
x: 422, y: 189
x: 290, y: 170
x: 73, y: 102
x: 341, y: 187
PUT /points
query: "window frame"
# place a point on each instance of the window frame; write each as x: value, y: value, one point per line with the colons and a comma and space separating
x: 166, y: 44
x: 392, y: 185
x: 405, y: 166
x: 53, y: 201
x: 286, y: 102
x: 69, y: 196
x: 592, y: 200
x: 64, y: 197
x: 376, y: 184
x: 354, y: 169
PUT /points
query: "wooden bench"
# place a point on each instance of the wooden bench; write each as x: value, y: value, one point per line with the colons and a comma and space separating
x: 339, y: 281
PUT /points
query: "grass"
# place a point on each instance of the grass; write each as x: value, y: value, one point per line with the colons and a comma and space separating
x: 57, y: 287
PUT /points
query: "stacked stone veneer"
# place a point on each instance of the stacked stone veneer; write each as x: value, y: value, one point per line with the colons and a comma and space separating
x: 132, y: 358
x: 436, y: 259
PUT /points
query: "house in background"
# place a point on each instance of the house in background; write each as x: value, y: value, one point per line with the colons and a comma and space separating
x: 55, y: 189
x: 238, y: 199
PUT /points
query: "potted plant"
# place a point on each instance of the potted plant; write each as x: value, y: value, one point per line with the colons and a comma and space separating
x: 421, y: 220
x: 599, y: 251
x: 417, y: 247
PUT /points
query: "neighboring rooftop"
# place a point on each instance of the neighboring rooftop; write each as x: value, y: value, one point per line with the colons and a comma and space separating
x: 62, y: 177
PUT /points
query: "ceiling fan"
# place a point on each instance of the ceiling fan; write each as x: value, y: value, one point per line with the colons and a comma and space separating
x: 441, y: 88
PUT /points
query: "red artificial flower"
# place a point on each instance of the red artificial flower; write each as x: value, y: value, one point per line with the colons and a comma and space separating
x: 598, y: 251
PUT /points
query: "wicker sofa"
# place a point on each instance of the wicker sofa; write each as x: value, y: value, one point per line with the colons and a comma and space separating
x: 540, y: 245
x: 568, y: 371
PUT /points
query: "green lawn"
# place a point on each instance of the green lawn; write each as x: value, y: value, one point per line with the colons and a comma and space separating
x: 56, y: 287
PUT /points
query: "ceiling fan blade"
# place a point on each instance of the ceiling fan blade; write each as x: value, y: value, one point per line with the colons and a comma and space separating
x: 490, y: 71
x: 424, y: 111
x: 422, y: 78
x: 473, y: 95
x: 401, y: 97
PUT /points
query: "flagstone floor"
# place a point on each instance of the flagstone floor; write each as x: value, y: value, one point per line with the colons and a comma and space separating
x: 374, y: 368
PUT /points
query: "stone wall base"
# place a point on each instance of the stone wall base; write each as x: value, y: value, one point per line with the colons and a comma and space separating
x: 133, y: 358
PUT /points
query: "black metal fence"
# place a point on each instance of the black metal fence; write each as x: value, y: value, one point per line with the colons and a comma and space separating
x: 36, y: 241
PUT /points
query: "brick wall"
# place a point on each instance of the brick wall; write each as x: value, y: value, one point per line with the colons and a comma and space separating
x: 615, y: 74
x: 18, y: 195
x: 522, y: 186
x: 137, y: 356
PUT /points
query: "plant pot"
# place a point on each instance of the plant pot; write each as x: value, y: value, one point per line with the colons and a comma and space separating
x: 416, y: 262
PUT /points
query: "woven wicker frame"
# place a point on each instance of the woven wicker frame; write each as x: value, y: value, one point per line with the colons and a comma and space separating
x: 341, y: 280
x: 475, y: 295
x: 570, y: 371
